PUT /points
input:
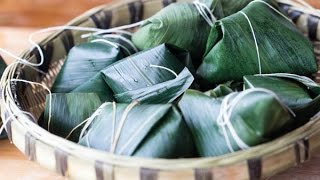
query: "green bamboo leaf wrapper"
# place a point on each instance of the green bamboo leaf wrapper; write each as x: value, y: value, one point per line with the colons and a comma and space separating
x: 179, y: 24
x: 69, y: 110
x: 82, y: 63
x: 133, y: 78
x: 96, y: 85
x: 231, y: 52
x: 258, y: 117
x: 232, y: 6
x: 220, y: 91
x: 299, y: 93
x: 156, y: 131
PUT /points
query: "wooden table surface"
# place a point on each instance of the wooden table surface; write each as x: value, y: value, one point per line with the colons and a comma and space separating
x: 14, y: 166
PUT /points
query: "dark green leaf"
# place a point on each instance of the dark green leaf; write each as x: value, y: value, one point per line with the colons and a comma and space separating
x: 96, y: 85
x: 219, y: 91
x: 300, y: 93
x: 161, y: 132
x: 231, y: 51
x: 83, y: 62
x: 142, y: 77
x: 232, y: 6
x: 69, y: 110
x: 257, y: 117
x: 179, y: 24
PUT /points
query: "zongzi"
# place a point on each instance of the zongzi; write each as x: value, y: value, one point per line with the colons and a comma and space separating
x: 179, y: 24
x: 236, y: 121
x: 156, y: 131
x: 151, y: 76
x: 83, y: 62
x: 258, y: 39
x: 299, y: 93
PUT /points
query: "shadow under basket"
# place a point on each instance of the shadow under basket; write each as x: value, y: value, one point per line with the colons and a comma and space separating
x: 78, y: 162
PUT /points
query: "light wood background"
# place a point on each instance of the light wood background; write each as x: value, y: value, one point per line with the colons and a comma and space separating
x: 24, y: 17
x: 40, y: 13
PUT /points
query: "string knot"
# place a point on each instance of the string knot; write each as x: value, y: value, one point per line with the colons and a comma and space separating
x: 227, y: 107
x: 205, y: 12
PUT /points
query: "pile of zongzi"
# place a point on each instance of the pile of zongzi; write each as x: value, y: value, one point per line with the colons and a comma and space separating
x: 197, y: 79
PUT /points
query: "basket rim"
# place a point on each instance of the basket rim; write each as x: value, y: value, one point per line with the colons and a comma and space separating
x: 262, y: 150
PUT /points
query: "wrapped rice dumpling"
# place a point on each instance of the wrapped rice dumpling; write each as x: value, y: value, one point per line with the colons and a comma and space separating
x: 299, y: 93
x: 68, y: 110
x: 232, y: 51
x: 152, y: 76
x: 236, y: 121
x: 182, y: 25
x: 97, y: 84
x: 179, y: 24
x: 156, y: 131
x: 83, y: 62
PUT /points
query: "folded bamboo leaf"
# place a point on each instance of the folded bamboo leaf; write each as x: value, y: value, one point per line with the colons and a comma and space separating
x: 152, y: 76
x: 299, y: 93
x: 179, y: 24
x: 68, y: 110
x: 240, y: 119
x: 219, y: 91
x: 96, y: 85
x: 120, y: 129
x: 232, y: 6
x: 83, y: 62
x: 232, y: 52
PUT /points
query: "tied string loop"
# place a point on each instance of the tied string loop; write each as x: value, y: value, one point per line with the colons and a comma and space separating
x: 165, y: 68
x: 303, y: 79
x: 255, y: 41
x: 229, y: 103
x: 130, y: 43
x: 9, y: 73
x: 205, y: 12
x: 116, y: 131
x: 115, y: 29
x: 9, y: 101
x: 253, y: 32
x: 88, y: 121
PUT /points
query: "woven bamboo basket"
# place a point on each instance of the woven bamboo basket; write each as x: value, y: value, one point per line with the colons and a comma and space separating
x: 26, y: 103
